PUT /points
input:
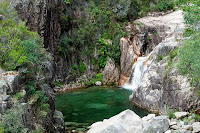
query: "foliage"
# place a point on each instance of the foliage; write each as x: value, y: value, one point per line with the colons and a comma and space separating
x: 170, y: 114
x: 58, y: 83
x: 82, y: 67
x: 18, y: 95
x: 67, y: 1
x: 12, y: 120
x: 18, y: 45
x: 38, y: 97
x: 97, y: 77
x: 102, y: 52
x: 191, y: 15
x: 164, y: 5
x: 159, y: 57
x: 189, y: 58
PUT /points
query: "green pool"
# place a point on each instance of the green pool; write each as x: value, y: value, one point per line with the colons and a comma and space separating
x: 94, y: 104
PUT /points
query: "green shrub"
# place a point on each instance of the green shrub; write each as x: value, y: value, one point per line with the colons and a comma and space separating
x: 82, y: 67
x: 18, y: 95
x: 18, y: 45
x: 159, y: 57
x: 164, y: 5
x: 74, y: 67
x: 11, y: 120
x: 170, y: 114
x: 58, y: 83
x: 189, y: 61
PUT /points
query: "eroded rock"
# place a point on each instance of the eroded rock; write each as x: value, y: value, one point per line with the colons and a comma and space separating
x: 125, y: 122
x: 111, y: 73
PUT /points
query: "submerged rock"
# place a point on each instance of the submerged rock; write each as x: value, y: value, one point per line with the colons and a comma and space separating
x: 125, y: 122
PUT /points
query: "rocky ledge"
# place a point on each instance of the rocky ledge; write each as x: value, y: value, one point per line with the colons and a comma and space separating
x: 129, y: 122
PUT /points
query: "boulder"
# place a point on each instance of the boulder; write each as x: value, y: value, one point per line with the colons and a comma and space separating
x: 196, y: 127
x: 111, y: 73
x: 175, y: 127
x: 125, y: 122
x: 148, y: 117
x: 188, y: 127
x: 98, y: 83
x: 158, y: 124
x: 179, y: 115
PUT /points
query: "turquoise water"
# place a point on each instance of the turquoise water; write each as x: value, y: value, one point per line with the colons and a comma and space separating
x: 94, y: 104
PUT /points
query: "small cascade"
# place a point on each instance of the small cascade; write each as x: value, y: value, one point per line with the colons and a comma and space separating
x: 138, y: 70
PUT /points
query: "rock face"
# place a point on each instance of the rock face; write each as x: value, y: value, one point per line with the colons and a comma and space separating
x: 110, y: 73
x: 141, y: 39
x: 162, y: 85
x: 8, y: 84
x: 125, y: 122
x: 43, y: 17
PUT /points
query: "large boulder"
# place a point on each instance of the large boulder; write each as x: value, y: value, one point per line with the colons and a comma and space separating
x: 158, y: 124
x: 110, y: 73
x: 125, y: 122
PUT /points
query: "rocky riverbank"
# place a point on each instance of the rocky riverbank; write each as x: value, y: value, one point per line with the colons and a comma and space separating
x: 129, y: 122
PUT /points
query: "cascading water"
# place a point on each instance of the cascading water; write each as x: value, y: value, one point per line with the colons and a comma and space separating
x: 138, y: 70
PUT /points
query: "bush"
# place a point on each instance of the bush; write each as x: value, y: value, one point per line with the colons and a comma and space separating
x: 18, y: 45
x: 164, y: 5
x: 189, y: 61
x: 82, y: 67
x: 170, y: 114
x: 12, y: 122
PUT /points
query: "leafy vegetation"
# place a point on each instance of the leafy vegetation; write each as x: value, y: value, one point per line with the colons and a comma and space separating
x: 188, y: 54
x: 189, y: 61
x: 11, y: 121
x: 18, y: 45
x: 22, y: 50
x: 82, y: 67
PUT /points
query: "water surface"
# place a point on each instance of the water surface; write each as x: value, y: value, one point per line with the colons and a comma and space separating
x: 94, y: 104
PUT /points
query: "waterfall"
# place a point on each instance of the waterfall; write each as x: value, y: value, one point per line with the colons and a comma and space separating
x: 138, y: 70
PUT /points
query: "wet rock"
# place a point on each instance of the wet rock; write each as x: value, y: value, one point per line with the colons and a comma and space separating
x: 179, y: 115
x: 111, y: 73
x: 125, y: 122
